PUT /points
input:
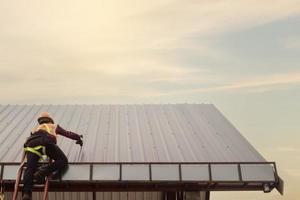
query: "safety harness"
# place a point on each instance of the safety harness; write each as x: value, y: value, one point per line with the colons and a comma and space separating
x: 35, y: 150
x: 40, y: 148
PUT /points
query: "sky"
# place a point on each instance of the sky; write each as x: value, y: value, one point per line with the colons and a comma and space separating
x: 241, y: 55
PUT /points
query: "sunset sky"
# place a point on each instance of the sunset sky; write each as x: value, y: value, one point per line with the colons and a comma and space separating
x: 241, y: 55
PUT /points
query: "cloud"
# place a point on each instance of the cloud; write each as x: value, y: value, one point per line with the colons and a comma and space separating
x: 287, y: 149
x: 291, y: 42
x: 180, y: 19
x: 114, y: 47
x: 267, y: 82
x: 110, y: 28
x: 293, y: 172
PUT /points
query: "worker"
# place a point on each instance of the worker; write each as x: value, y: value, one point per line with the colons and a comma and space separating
x: 42, y: 142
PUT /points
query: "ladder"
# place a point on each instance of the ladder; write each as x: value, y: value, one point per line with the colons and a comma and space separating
x: 18, y: 179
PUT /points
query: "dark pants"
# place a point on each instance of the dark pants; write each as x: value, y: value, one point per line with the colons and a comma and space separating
x: 60, y: 163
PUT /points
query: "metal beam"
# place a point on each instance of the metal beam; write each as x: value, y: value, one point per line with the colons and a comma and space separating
x: 70, y: 186
x: 207, y: 195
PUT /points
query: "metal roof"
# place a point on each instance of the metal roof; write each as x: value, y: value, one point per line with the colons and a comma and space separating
x: 141, y: 148
x: 132, y: 133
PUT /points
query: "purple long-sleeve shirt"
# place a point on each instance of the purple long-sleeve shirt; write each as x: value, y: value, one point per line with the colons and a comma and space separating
x: 68, y: 134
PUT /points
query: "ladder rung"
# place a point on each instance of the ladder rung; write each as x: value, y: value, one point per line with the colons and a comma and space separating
x: 35, y: 185
x: 19, y: 185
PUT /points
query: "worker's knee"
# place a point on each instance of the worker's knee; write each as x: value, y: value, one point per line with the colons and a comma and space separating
x: 64, y: 162
x: 64, y: 167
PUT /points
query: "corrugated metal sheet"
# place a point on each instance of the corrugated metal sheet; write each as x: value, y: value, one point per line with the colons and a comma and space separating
x: 132, y: 133
x: 108, y: 195
x: 99, y: 195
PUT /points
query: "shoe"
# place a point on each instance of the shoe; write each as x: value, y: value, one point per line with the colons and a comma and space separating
x: 26, y: 196
x: 39, y: 178
x: 40, y: 175
x: 56, y: 175
x: 39, y: 181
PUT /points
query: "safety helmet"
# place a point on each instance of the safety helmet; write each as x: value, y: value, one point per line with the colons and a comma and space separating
x: 45, y: 118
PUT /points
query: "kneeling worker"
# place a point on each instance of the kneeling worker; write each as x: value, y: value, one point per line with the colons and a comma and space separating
x: 43, y: 142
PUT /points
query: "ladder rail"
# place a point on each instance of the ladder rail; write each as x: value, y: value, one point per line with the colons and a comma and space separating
x: 18, y: 180
x: 45, y: 196
x: 19, y: 175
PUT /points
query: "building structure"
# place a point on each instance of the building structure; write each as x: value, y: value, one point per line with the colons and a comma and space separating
x: 170, y: 151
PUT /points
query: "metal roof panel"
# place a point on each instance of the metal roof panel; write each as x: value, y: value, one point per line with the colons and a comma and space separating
x: 132, y: 133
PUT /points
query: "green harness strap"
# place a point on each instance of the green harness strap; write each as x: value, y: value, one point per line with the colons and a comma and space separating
x: 35, y: 151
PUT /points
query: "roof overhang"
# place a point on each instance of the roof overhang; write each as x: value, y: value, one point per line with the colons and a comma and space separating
x: 154, y: 176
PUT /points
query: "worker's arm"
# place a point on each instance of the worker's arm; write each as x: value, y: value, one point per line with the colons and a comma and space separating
x: 68, y: 134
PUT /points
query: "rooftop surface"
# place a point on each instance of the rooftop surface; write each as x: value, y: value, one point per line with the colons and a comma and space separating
x: 132, y: 133
x: 177, y: 146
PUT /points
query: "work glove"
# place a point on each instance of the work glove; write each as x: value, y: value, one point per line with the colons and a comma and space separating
x: 80, y: 142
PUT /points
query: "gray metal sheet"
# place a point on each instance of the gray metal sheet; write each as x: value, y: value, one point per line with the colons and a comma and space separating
x: 106, y: 172
x: 77, y: 172
x: 222, y: 172
x: 10, y: 172
x: 257, y: 172
x: 165, y: 172
x: 136, y: 172
x: 132, y: 133
x: 193, y: 172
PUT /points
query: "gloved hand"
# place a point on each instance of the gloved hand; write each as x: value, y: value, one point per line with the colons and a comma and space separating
x: 80, y: 142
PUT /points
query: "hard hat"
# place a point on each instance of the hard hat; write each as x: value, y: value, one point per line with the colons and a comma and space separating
x: 45, y: 118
